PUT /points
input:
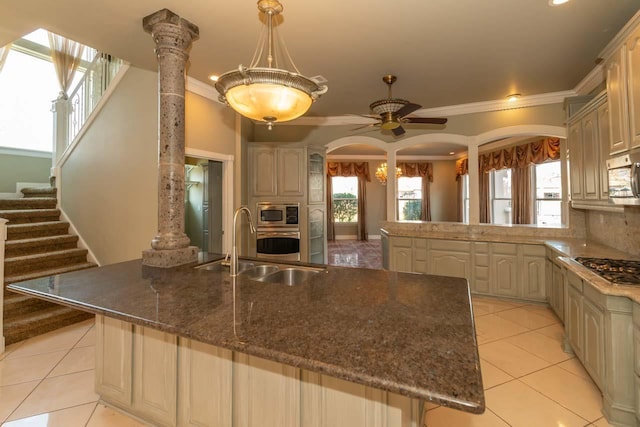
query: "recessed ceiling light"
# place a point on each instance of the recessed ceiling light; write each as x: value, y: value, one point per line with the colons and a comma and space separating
x: 557, y: 2
x: 513, y: 97
x: 213, y: 77
x: 452, y: 152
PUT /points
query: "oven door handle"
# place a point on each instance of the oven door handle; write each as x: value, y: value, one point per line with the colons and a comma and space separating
x: 261, y: 235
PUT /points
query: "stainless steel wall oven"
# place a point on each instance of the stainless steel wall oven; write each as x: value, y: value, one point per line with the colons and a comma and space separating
x: 278, y: 231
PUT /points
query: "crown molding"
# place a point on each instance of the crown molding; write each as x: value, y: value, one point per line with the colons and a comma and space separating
x: 398, y: 158
x: 202, y: 89
x: 620, y: 38
x: 591, y: 81
x: 448, y: 111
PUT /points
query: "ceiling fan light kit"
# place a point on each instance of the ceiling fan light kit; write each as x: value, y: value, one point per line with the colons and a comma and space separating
x: 263, y: 91
x: 393, y: 112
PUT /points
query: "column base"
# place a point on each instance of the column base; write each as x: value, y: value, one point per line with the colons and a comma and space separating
x: 169, y: 257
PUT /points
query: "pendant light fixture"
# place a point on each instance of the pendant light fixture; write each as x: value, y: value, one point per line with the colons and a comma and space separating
x: 264, y: 91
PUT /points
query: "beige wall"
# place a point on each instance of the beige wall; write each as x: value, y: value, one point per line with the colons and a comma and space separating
x: 15, y: 168
x: 109, y: 183
x: 466, y: 124
x: 443, y: 191
x: 209, y: 125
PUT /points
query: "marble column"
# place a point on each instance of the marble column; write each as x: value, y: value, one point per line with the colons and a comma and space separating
x: 173, y: 36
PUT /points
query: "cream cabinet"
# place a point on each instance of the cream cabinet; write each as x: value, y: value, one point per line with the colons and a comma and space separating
x: 573, y: 316
x: 277, y: 172
x: 316, y: 176
x: 498, y: 269
x: 557, y: 291
x: 504, y: 269
x: 171, y: 381
x: 616, y: 94
x: 593, y: 336
x: 589, y: 135
x: 622, y: 70
x: 450, y: 258
x: 636, y: 350
x: 317, y: 236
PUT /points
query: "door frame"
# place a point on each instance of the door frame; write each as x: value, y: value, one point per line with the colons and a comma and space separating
x: 227, y: 190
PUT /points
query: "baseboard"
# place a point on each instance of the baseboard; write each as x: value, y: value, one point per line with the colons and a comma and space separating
x: 374, y: 237
x: 9, y: 196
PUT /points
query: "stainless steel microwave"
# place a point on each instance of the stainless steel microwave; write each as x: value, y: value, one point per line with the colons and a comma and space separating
x: 624, y: 179
x: 277, y: 215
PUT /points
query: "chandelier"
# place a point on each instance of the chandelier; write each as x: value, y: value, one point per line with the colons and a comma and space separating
x: 381, y: 173
x: 263, y: 91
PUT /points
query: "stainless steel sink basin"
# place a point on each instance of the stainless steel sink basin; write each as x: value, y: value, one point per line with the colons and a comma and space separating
x: 290, y: 276
x: 259, y: 271
x: 218, y: 266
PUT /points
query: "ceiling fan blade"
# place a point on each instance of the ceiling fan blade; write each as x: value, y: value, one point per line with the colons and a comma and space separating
x: 408, y: 109
x: 368, y: 116
x: 366, y: 126
x: 430, y: 120
x: 398, y: 131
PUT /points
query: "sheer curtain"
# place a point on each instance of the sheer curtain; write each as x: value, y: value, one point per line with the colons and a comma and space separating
x: 360, y: 170
x: 66, y: 56
x: 4, y: 53
x: 521, y: 196
x: 425, y: 171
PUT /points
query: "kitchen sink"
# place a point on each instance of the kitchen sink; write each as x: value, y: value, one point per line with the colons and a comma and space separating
x: 290, y: 276
x: 268, y: 273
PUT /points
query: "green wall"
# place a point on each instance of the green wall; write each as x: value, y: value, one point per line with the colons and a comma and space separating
x: 15, y: 168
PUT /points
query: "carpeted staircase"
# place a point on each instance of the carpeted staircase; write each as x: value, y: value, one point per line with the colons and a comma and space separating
x: 38, y: 245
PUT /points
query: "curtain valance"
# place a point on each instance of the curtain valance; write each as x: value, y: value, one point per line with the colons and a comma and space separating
x: 521, y: 156
x: 361, y: 170
x: 421, y: 169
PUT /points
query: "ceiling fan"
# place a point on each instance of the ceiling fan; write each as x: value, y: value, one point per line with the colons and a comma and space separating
x: 392, y: 113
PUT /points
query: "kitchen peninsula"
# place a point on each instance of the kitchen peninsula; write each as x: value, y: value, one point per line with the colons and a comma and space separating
x: 347, y: 347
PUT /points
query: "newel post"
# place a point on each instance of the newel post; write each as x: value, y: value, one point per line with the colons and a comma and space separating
x: 173, y: 36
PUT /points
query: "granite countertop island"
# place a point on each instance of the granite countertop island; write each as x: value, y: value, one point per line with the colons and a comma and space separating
x: 410, y: 334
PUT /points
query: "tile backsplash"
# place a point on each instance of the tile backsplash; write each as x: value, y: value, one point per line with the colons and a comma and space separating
x: 618, y: 230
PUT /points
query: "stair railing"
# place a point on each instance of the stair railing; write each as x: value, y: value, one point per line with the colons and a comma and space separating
x: 71, y: 114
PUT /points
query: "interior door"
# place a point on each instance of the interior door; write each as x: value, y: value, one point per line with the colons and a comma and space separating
x: 214, y: 206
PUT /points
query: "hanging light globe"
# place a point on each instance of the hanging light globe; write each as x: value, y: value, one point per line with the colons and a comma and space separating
x: 263, y: 91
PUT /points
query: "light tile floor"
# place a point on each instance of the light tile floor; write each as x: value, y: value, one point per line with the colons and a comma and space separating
x: 528, y: 379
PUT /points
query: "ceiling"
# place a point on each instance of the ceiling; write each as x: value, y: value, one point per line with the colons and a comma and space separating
x: 445, y: 52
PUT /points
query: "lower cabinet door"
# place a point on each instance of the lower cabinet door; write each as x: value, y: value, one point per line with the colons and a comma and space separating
x: 593, y: 350
x: 557, y: 292
x: 533, y: 278
x: 155, y: 362
x: 573, y: 320
x: 452, y: 264
x: 505, y: 275
x: 401, y: 258
x: 114, y: 358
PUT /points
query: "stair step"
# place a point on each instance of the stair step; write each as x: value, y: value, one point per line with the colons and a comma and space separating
x: 43, y: 261
x: 48, y: 192
x: 25, y: 216
x: 14, y: 248
x: 46, y: 320
x: 36, y: 229
x: 28, y: 203
x: 16, y: 305
x: 45, y: 273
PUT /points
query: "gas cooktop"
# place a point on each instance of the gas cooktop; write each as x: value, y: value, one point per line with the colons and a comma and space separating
x: 617, y: 271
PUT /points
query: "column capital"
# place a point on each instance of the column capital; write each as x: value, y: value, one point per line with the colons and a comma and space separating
x: 165, y: 19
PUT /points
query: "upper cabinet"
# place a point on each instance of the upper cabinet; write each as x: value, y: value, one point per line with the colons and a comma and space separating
x: 622, y: 70
x: 589, y: 144
x: 277, y: 172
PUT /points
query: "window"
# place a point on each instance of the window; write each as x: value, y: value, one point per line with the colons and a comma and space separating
x: 548, y: 206
x: 345, y: 198
x: 409, y: 198
x: 501, y: 196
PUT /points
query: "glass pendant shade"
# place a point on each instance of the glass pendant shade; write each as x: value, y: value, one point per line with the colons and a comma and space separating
x: 267, y: 93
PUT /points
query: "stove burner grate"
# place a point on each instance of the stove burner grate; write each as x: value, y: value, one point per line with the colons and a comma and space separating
x: 617, y: 271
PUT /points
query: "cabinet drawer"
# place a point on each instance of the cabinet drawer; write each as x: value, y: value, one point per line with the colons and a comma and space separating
x: 574, y: 281
x: 533, y: 250
x: 451, y: 245
x: 481, y: 248
x: 404, y: 242
x: 420, y: 243
x: 482, y: 260
x: 504, y: 248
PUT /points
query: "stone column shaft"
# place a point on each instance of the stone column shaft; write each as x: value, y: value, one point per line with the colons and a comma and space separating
x: 173, y: 37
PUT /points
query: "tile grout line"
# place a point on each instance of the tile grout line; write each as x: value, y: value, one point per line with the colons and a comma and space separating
x: 44, y: 378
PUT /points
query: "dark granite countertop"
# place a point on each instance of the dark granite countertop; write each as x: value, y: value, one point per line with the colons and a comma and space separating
x: 411, y: 334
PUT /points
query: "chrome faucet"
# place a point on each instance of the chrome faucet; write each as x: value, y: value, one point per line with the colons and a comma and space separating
x: 233, y: 270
